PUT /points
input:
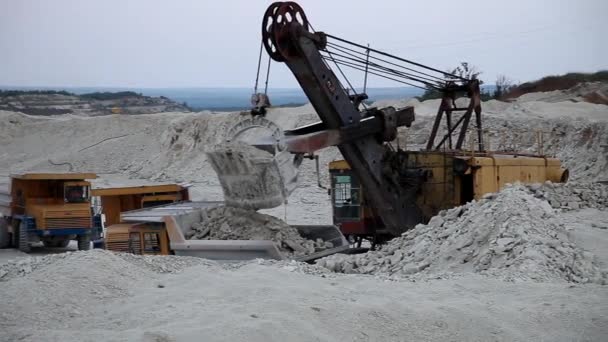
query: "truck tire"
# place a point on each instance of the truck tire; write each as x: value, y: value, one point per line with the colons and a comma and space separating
x: 14, y: 235
x: 24, y: 241
x: 4, y: 236
x: 84, y: 242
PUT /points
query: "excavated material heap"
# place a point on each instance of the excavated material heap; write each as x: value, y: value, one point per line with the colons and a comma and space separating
x: 572, y: 195
x: 229, y: 223
x: 510, y: 234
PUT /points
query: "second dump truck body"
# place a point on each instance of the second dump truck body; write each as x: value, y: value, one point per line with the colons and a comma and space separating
x: 149, y: 230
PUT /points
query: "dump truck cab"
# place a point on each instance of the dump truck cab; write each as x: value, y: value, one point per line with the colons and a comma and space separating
x: 50, y: 207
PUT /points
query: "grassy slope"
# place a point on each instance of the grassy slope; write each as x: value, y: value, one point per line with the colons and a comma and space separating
x: 561, y: 82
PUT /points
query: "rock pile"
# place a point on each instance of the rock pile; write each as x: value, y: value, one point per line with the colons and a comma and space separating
x: 511, y: 235
x: 104, y: 261
x: 229, y: 223
x: 572, y: 195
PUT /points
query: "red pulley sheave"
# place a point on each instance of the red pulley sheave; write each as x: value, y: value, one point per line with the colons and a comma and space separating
x: 276, y: 25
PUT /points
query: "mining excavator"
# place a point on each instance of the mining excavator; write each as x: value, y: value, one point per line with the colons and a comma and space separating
x: 378, y: 190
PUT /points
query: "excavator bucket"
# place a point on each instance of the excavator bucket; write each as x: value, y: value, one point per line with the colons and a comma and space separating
x: 253, y: 178
x: 254, y: 167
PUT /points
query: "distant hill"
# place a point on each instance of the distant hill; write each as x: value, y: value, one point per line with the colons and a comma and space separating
x: 230, y: 99
x: 560, y: 82
x: 53, y: 102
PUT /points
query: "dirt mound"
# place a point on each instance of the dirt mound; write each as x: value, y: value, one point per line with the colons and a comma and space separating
x: 511, y: 235
x: 69, y: 286
x: 97, y: 262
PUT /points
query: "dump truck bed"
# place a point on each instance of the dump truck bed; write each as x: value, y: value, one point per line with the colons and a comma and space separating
x: 178, y: 217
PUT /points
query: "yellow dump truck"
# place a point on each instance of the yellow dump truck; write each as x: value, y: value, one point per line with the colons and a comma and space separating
x: 50, y: 207
x: 132, y: 196
x: 161, y: 230
x: 450, y: 180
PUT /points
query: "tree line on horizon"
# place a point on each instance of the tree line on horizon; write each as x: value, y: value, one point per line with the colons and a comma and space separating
x: 505, y: 88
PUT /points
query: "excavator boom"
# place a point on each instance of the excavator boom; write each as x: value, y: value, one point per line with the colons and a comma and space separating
x: 362, y: 134
x: 288, y: 39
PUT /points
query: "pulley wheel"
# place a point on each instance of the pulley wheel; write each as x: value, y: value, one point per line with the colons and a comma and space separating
x: 268, y: 24
x: 289, y: 12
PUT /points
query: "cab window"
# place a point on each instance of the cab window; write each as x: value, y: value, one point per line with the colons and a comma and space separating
x: 76, y: 193
x: 346, y: 197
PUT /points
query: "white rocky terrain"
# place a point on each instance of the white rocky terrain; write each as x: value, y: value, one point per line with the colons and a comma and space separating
x: 526, y: 264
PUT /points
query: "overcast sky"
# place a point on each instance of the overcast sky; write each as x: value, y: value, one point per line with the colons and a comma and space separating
x: 201, y: 43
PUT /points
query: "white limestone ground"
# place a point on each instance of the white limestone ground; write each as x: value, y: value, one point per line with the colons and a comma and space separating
x: 550, y: 290
x: 98, y: 295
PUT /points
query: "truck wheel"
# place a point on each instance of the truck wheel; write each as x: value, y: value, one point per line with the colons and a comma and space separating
x: 24, y: 241
x: 84, y: 242
x: 14, y: 235
x: 4, y: 237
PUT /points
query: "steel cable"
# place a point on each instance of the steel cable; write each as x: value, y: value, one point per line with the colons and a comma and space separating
x: 425, y: 81
x: 381, y: 70
x: 398, y: 58
x: 373, y: 72
x: 343, y: 48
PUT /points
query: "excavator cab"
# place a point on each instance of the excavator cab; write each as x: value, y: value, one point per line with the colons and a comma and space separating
x: 351, y: 213
x: 345, y: 195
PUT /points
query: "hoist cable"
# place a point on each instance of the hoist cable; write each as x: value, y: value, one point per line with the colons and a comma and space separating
x: 345, y: 78
x: 342, y: 48
x: 364, y: 70
x: 356, y: 67
x: 365, y: 63
x: 375, y: 72
x: 257, y: 76
x: 409, y: 76
x: 366, y: 67
x: 267, y: 76
x: 383, y: 70
x: 398, y: 58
